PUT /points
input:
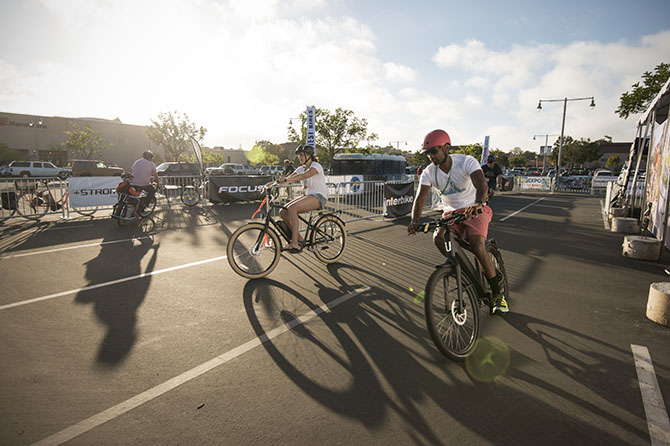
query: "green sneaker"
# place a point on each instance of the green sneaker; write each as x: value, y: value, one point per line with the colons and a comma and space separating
x: 499, y: 304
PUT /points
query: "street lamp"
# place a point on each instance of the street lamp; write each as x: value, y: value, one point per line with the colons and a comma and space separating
x: 565, y: 105
x: 36, y: 122
x: 546, y: 141
x: 397, y: 144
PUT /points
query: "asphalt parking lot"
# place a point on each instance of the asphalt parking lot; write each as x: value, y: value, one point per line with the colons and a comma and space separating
x: 116, y: 336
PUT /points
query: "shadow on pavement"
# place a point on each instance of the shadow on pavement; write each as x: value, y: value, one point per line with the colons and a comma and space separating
x: 116, y: 306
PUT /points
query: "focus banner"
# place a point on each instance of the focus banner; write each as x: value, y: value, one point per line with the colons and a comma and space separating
x: 236, y: 188
x: 398, y: 199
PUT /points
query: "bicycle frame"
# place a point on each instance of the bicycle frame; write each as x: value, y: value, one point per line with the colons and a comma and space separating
x: 463, y: 265
x: 269, y: 204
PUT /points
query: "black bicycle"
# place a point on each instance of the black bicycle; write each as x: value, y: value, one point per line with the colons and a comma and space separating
x: 255, y: 248
x: 456, y: 290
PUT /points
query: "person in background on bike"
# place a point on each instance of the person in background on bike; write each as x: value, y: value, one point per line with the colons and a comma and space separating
x: 288, y: 168
x: 493, y: 174
x: 143, y: 171
x: 313, y: 178
x: 463, y: 188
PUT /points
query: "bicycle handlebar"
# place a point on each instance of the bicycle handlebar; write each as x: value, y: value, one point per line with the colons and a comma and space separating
x: 454, y: 219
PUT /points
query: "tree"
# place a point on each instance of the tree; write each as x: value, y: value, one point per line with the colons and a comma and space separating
x: 613, y: 161
x: 474, y: 150
x: 502, y: 159
x: 335, y: 132
x: 639, y: 98
x: 516, y: 157
x: 576, y: 152
x: 260, y: 156
x: 85, y: 143
x: 172, y: 133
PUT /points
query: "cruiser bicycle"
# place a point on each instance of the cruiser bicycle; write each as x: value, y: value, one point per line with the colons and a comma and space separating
x: 255, y: 248
x: 456, y: 290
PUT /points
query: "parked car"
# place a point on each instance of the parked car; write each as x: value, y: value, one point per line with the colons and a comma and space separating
x: 533, y: 172
x: 33, y: 169
x: 272, y: 170
x: 90, y: 168
x: 176, y: 169
x: 232, y: 169
x: 602, y: 173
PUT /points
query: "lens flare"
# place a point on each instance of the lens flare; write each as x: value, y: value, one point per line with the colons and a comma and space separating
x: 489, y: 360
x: 419, y: 298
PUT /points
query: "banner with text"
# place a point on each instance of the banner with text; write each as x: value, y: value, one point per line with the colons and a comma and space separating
x: 485, y: 151
x: 398, y: 199
x: 92, y: 191
x: 310, y: 136
x: 236, y: 188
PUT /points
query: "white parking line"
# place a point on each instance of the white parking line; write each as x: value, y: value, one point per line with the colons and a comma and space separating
x: 67, y: 227
x: 522, y: 209
x: 148, y: 395
x: 104, y: 284
x: 88, y: 245
x: 654, y: 407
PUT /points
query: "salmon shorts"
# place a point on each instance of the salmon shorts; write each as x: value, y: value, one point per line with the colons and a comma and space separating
x: 478, y: 225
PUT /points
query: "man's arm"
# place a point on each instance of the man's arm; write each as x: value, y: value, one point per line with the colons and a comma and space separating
x: 417, y: 207
x: 480, y: 183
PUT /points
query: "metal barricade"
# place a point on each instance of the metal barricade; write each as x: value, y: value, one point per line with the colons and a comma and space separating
x: 33, y: 197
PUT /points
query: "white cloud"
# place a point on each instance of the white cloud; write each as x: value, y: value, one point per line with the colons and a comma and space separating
x: 478, y: 82
x: 244, y: 69
x: 399, y: 73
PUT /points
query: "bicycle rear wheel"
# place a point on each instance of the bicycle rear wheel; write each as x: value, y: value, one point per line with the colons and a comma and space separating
x: 329, y: 239
x: 499, y: 265
x: 190, y: 196
x: 454, y: 330
x: 148, y: 208
x: 32, y: 205
x: 253, y: 252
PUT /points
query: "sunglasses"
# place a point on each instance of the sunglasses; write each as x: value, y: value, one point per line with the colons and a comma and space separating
x: 432, y: 150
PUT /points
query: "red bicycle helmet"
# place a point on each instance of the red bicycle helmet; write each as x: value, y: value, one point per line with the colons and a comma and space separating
x: 436, y: 138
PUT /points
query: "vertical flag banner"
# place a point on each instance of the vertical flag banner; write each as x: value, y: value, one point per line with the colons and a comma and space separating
x: 485, y: 151
x: 310, y: 136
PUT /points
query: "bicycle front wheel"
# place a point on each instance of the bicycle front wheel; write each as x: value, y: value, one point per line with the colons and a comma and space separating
x: 32, y: 205
x: 453, y: 327
x: 190, y: 196
x: 329, y: 239
x: 253, y: 251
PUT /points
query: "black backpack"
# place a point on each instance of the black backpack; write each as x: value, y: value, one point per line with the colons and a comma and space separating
x: 9, y: 200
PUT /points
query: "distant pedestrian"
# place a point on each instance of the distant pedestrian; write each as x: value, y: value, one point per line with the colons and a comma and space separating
x: 288, y: 168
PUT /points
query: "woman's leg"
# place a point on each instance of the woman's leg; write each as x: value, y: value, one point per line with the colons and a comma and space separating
x: 299, y: 206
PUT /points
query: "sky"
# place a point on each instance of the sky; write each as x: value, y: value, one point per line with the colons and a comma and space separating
x: 243, y: 68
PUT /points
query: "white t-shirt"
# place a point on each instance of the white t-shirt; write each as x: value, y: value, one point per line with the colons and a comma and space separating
x: 455, y: 187
x: 316, y: 184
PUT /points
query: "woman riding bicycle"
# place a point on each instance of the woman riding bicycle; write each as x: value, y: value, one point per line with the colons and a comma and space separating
x: 311, y: 174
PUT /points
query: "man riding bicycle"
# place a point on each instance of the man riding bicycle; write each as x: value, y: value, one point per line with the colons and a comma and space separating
x: 311, y: 174
x: 493, y: 174
x: 463, y: 188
